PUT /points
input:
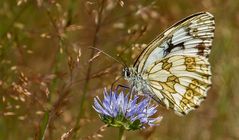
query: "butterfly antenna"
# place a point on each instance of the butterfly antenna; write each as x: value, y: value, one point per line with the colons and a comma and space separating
x: 122, y: 60
x: 106, y: 54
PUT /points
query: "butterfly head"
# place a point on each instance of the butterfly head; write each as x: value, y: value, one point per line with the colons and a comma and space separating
x: 128, y: 73
x: 134, y: 78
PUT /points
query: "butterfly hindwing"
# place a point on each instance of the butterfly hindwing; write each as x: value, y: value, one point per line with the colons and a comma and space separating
x: 180, y: 82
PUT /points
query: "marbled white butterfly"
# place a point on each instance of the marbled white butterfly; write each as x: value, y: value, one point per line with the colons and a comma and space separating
x: 174, y: 69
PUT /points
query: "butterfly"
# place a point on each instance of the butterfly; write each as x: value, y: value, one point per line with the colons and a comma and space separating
x: 174, y: 69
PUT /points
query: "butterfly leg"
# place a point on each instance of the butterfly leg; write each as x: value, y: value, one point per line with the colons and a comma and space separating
x: 133, y: 91
x: 112, y: 85
x: 151, y: 95
x: 122, y: 86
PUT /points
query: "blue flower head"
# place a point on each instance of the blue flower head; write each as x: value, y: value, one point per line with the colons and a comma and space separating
x: 118, y: 110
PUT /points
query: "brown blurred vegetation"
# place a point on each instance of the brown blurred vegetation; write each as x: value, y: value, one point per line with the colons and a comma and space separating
x: 49, y: 76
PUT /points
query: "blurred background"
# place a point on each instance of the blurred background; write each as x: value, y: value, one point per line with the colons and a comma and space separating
x: 49, y: 76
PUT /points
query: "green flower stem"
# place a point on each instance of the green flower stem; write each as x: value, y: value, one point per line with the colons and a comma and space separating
x: 121, y: 133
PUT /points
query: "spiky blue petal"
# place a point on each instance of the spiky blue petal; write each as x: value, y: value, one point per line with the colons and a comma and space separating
x: 118, y: 110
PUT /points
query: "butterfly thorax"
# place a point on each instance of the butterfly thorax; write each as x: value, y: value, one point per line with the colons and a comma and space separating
x: 135, y: 79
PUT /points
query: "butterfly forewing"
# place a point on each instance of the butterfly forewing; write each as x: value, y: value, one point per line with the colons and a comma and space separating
x: 190, y: 36
x: 175, y: 65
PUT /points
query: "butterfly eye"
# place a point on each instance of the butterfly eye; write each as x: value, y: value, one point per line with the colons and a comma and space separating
x: 127, y: 73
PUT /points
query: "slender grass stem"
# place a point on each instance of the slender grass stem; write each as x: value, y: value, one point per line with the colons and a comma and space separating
x: 50, y: 114
x: 121, y: 133
x: 86, y: 84
x: 71, y: 9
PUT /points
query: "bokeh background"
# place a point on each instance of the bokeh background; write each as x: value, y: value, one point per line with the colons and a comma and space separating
x: 49, y: 76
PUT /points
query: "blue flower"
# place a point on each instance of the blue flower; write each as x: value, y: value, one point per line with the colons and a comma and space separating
x: 118, y: 110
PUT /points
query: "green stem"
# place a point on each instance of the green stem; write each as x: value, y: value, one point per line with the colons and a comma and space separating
x: 71, y: 9
x: 55, y: 67
x: 121, y: 133
x: 86, y: 84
